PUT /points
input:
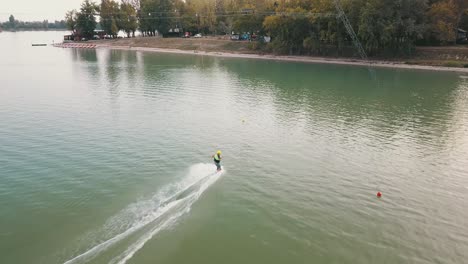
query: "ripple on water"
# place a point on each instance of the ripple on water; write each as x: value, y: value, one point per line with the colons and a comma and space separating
x: 306, y: 153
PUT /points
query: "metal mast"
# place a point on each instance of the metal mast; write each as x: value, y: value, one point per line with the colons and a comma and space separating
x: 352, y: 34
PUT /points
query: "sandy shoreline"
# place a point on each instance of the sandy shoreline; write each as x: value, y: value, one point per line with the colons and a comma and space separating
x: 317, y: 60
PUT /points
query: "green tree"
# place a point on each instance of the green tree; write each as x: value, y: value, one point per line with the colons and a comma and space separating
x: 128, y: 18
x: 393, y: 26
x: 188, y: 16
x: 109, y: 13
x: 249, y: 22
x: 70, y: 20
x: 206, y: 16
x: 86, y: 20
x: 12, y: 21
x: 220, y: 11
x: 289, y: 29
x: 146, y: 19
x: 163, y: 16
x: 464, y: 21
x: 461, y: 11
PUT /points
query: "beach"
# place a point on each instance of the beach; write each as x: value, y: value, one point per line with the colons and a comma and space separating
x: 234, y: 49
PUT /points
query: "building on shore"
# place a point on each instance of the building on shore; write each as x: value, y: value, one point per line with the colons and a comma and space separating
x: 75, y: 36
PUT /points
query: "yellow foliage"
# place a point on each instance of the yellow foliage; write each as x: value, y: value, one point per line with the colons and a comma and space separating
x: 443, y: 16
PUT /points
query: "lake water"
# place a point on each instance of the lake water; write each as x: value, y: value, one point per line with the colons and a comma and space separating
x: 105, y: 157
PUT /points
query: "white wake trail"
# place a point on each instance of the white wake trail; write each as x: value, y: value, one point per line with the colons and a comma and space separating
x: 190, y: 200
x: 188, y: 191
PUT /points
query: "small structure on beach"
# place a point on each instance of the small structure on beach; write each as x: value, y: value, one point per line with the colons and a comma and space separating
x: 174, y: 33
x: 462, y: 36
x: 68, y: 38
x: 75, y: 36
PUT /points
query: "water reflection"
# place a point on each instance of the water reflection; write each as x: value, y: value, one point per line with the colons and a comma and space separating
x: 399, y: 101
x: 295, y: 94
x: 307, y: 146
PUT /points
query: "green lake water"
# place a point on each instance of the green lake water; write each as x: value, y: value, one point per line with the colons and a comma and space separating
x: 105, y: 157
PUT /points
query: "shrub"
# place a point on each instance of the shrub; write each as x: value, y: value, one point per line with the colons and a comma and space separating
x: 453, y: 64
x: 311, y: 45
x: 255, y: 45
x: 278, y: 47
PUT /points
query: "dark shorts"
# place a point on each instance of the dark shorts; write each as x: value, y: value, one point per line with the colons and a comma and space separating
x: 218, y: 164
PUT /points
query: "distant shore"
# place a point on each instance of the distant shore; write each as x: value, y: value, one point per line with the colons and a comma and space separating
x: 30, y: 29
x: 217, y: 47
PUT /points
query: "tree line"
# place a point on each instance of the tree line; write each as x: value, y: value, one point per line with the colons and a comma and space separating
x: 12, y: 25
x: 296, y: 26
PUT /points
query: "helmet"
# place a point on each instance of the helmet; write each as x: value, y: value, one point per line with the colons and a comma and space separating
x: 219, y: 152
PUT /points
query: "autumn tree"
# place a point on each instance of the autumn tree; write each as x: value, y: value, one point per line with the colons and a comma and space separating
x: 443, y: 20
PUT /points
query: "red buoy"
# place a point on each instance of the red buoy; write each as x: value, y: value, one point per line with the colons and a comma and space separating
x: 379, y: 194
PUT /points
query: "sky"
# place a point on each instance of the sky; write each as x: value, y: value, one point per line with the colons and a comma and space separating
x: 38, y: 10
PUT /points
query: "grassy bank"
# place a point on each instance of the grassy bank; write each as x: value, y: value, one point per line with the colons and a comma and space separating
x: 208, y: 44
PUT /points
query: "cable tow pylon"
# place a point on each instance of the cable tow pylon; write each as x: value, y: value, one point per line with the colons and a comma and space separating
x: 362, y: 53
